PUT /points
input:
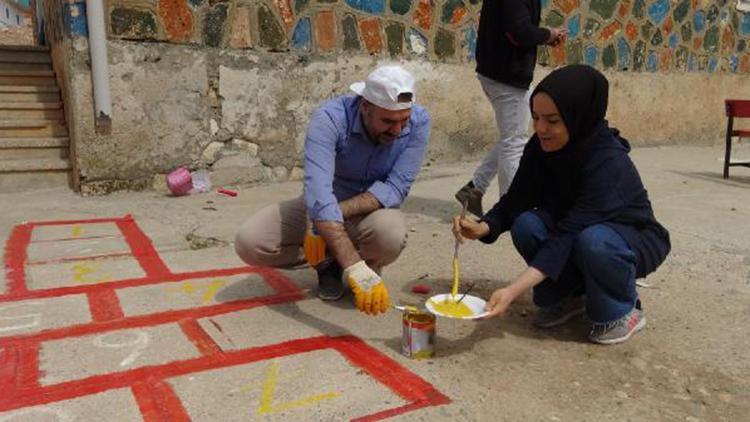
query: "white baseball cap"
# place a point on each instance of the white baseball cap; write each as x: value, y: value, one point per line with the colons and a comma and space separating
x: 390, y: 87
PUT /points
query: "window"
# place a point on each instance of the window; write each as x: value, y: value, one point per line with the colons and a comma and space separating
x: 18, y: 20
x: 7, y: 13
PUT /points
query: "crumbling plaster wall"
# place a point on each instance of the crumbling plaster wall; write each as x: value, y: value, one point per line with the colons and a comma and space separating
x: 243, y: 114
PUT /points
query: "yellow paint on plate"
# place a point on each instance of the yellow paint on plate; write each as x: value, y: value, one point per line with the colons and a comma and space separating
x: 452, y: 308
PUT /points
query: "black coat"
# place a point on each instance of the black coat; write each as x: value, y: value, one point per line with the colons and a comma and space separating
x: 507, y: 42
x: 601, y: 186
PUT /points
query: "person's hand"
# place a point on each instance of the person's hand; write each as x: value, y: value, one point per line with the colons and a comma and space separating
x: 314, y: 247
x: 556, y: 36
x: 464, y: 228
x: 370, y: 293
x: 499, y: 302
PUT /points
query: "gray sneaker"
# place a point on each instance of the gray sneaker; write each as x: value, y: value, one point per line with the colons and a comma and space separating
x: 472, y: 197
x: 552, y: 316
x: 618, y: 331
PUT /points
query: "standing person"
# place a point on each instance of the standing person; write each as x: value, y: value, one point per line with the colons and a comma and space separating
x: 509, y: 34
x: 577, y: 212
x: 362, y: 154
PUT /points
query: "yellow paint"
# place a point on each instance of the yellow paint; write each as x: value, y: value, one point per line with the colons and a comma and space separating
x: 207, y: 291
x: 454, y: 290
x: 451, y: 307
x: 286, y: 376
x: 211, y: 289
x: 266, y: 405
x: 423, y: 354
x: 76, y: 231
x: 85, y: 273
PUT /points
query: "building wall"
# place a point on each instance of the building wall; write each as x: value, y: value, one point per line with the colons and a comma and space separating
x: 11, y: 14
x: 230, y: 85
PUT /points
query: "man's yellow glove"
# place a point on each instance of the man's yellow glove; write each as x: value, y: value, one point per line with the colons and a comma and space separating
x: 314, y: 247
x: 369, y: 289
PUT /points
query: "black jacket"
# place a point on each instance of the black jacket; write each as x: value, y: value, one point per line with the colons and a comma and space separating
x: 601, y: 186
x: 509, y: 33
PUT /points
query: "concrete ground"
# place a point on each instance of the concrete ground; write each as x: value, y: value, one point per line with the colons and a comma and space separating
x: 77, y: 344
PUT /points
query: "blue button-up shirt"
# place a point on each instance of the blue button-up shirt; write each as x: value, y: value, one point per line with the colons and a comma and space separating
x: 342, y: 162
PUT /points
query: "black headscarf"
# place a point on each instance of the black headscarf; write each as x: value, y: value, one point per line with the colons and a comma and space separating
x: 580, y: 93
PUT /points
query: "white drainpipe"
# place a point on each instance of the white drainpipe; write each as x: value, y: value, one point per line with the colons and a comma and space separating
x: 99, y: 64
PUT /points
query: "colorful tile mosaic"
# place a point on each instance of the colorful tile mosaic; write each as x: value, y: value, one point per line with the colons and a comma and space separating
x: 302, y: 37
x: 624, y: 35
x: 351, y: 36
x: 325, y: 30
x: 177, y: 19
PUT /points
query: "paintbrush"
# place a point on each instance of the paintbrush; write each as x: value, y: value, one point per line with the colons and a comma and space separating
x: 454, y: 290
x: 471, y: 286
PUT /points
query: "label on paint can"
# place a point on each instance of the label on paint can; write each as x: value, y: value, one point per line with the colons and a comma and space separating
x: 418, y: 338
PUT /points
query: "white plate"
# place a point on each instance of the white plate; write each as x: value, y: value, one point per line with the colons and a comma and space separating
x: 474, y: 303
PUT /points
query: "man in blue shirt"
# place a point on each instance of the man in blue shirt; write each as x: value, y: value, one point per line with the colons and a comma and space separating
x: 362, y: 154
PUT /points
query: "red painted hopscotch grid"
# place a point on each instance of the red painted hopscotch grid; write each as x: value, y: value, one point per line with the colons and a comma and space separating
x: 19, y: 354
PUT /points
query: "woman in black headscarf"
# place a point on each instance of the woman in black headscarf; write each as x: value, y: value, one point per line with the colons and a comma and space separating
x: 577, y: 212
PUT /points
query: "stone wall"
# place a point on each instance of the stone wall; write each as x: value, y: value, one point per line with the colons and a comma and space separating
x: 229, y: 85
x: 635, y: 35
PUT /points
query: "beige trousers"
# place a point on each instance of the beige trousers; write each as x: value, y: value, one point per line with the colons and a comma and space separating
x: 273, y: 236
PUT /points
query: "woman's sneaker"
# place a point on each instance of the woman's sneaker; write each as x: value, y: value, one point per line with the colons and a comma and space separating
x: 618, y: 331
x: 552, y: 316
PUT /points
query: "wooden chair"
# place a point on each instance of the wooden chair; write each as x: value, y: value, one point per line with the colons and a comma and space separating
x: 735, y: 108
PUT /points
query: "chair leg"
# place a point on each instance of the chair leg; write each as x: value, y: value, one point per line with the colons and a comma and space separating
x: 728, y: 148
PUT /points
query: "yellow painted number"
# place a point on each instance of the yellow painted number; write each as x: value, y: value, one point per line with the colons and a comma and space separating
x: 267, y: 406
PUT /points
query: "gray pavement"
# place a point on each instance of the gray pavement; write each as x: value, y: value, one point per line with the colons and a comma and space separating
x: 108, y: 349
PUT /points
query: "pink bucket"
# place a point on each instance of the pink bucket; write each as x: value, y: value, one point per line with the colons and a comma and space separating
x: 179, y: 181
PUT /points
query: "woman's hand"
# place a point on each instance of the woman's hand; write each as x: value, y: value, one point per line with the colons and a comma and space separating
x: 464, y: 228
x: 502, y: 298
x: 499, y: 302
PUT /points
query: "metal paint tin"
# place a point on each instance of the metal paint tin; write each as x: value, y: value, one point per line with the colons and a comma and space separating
x: 418, y: 338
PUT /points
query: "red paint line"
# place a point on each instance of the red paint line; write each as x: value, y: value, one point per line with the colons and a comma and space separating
x: 15, y: 258
x: 403, y: 382
x: 99, y: 383
x: 159, y: 403
x: 105, y: 305
x: 85, y: 221
x: 130, y: 282
x: 389, y: 413
x: 68, y: 239
x: 19, y: 359
x: 80, y: 258
x: 8, y: 365
x: 171, y: 403
x: 198, y: 336
x: 151, y: 319
x: 28, y: 366
x: 147, y: 402
x: 142, y: 248
x: 149, y: 394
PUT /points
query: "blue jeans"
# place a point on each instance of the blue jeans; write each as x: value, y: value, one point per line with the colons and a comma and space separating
x: 601, y: 265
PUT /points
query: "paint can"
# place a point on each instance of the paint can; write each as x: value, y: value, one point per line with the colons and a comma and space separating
x: 418, y: 337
